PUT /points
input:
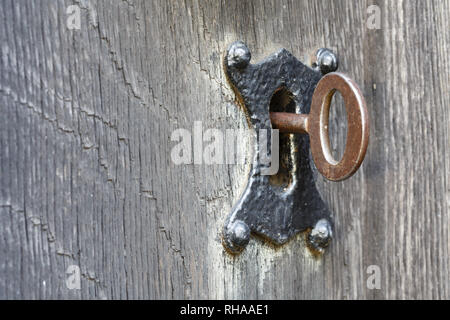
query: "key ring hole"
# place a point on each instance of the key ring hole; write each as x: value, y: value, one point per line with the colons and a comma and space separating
x: 335, y: 128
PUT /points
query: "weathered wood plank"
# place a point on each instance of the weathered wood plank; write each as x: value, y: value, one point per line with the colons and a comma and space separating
x: 86, y: 177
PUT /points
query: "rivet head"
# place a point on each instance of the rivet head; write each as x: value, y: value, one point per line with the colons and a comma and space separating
x: 238, y: 55
x: 320, y: 235
x: 237, y: 236
x: 326, y: 61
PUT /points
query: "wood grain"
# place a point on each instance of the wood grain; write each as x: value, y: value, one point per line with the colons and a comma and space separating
x: 86, y: 176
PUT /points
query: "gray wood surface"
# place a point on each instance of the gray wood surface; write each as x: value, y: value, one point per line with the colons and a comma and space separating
x: 86, y: 176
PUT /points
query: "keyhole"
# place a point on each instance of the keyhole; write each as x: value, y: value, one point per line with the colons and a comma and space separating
x: 283, y: 101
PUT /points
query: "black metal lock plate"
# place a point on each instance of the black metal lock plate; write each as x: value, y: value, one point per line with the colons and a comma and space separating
x: 277, y: 211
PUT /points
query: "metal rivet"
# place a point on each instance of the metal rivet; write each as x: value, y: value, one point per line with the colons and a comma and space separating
x: 327, y: 61
x: 320, y: 235
x: 237, y: 236
x: 238, y: 55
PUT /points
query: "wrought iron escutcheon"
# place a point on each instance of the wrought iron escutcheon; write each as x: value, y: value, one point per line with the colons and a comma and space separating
x: 277, y: 208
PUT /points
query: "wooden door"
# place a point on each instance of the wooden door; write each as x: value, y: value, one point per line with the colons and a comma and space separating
x: 88, y: 187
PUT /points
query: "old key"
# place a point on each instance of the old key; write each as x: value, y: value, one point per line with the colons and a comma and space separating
x: 316, y: 125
